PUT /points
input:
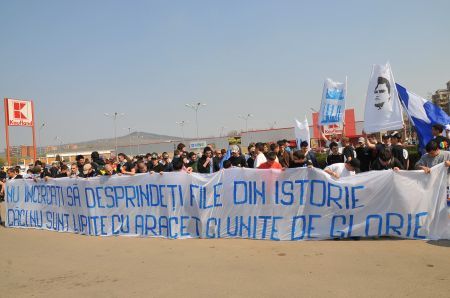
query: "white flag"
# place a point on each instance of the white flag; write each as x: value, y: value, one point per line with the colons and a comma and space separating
x: 383, y: 109
x: 333, y: 102
x: 302, y: 132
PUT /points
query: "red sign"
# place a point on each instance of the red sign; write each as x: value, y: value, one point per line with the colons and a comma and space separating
x: 20, y: 112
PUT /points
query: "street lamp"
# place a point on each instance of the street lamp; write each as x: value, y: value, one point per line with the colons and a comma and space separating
x: 39, y: 136
x: 114, y: 117
x: 195, y: 107
x: 221, y: 130
x: 182, y: 124
x: 272, y: 124
x: 60, y: 142
x: 245, y: 118
x: 139, y: 138
x: 129, y: 135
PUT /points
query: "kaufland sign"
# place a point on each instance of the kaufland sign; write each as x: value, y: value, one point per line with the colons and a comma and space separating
x: 20, y: 112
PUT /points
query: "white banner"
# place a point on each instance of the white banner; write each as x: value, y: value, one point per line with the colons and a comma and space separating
x: 332, y: 107
x: 383, y: 110
x: 296, y: 204
x: 302, y: 132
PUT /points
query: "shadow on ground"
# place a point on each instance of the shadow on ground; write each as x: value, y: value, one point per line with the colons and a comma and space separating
x: 445, y: 243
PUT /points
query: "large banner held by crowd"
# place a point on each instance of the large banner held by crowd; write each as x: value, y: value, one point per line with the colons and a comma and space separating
x: 295, y: 204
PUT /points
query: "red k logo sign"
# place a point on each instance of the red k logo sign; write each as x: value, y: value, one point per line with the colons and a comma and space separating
x: 20, y: 112
x: 18, y: 107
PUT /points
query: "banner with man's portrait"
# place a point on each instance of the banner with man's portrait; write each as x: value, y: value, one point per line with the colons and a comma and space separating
x: 383, y: 110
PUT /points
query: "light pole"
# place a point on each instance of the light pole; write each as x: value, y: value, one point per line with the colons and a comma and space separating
x: 272, y: 124
x: 245, y: 118
x: 195, y: 107
x: 221, y: 130
x: 39, y: 136
x: 114, y: 117
x: 129, y: 136
x: 139, y: 142
x: 182, y: 124
x: 60, y: 142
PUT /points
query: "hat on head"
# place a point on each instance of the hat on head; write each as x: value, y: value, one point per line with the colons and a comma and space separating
x: 86, y: 168
x: 234, y: 149
x: 361, y: 140
x: 154, y: 155
x: 396, y: 135
x: 386, y: 136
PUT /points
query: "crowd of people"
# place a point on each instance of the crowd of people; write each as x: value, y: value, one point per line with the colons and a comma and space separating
x: 342, y: 159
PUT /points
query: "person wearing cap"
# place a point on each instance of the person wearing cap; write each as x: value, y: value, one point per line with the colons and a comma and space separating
x: 398, y: 151
x: 236, y: 158
x: 154, y: 165
x: 363, y: 153
x: 166, y: 162
x: 443, y: 142
x: 88, y: 171
x: 386, y: 161
x: 349, y: 168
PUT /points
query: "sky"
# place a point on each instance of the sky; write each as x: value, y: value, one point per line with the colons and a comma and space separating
x: 80, y: 59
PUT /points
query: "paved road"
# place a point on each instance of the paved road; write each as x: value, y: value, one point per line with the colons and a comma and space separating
x: 48, y: 264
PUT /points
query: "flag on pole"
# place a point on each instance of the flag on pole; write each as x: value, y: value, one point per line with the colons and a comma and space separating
x: 333, y: 102
x: 383, y: 109
x: 302, y: 132
x: 423, y: 114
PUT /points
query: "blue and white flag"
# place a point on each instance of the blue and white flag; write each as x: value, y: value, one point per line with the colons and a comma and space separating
x: 383, y: 110
x: 423, y: 114
x: 333, y: 102
x: 302, y: 132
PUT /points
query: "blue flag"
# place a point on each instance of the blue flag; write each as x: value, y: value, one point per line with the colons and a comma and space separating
x: 423, y: 114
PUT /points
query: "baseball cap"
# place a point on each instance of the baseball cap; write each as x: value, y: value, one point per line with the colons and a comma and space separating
x: 154, y: 155
x: 361, y: 140
x: 234, y: 148
x: 396, y: 134
x: 386, y: 136
x: 86, y: 168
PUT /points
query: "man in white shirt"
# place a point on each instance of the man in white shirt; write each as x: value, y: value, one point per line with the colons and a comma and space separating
x: 260, y: 157
x: 338, y: 170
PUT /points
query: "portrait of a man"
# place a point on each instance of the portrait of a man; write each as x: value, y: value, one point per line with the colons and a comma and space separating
x: 382, y: 92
